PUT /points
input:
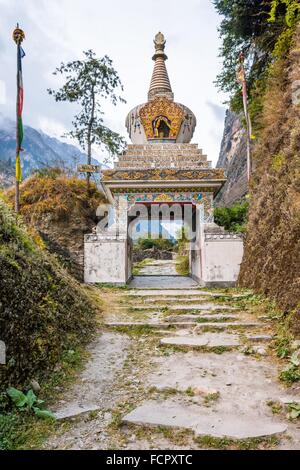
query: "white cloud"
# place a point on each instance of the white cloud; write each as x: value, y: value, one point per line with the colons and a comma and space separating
x: 51, y: 127
x: 60, y: 30
x: 2, y: 92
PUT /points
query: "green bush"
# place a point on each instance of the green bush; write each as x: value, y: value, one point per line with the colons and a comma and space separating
x: 43, y: 310
x: 160, y: 244
x: 234, y: 218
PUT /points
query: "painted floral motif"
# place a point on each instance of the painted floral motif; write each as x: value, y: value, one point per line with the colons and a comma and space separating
x: 164, y: 174
x: 205, y: 199
x: 167, y: 197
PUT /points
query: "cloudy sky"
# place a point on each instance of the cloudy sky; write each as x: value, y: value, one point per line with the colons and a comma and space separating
x: 59, y: 30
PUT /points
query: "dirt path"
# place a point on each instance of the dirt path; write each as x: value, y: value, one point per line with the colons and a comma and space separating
x: 176, y: 369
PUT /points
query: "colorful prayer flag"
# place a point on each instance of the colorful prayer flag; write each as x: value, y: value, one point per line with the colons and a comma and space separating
x: 20, y: 102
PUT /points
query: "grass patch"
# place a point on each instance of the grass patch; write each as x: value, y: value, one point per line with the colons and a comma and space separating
x: 211, y: 398
x: 107, y: 285
x: 213, y: 320
x: 276, y: 407
x: 24, y: 432
x: 211, y: 442
x: 135, y: 330
x: 182, y: 265
x: 204, y: 349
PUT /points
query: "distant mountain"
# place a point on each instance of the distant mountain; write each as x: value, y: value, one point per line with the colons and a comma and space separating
x: 40, y: 151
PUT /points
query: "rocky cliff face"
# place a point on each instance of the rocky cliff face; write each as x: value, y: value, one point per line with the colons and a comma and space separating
x: 233, y: 158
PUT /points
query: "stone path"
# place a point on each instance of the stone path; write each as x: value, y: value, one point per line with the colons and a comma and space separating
x: 161, y: 282
x: 167, y: 373
x: 159, y: 268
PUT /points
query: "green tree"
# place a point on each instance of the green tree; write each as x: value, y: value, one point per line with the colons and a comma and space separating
x: 88, y: 82
x: 254, y: 27
x: 234, y: 218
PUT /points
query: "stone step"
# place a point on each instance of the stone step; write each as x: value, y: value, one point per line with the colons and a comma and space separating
x: 185, y: 308
x: 164, y: 293
x: 202, y: 421
x: 229, y: 325
x: 163, y: 303
x: 74, y: 410
x: 163, y: 283
x: 208, y: 340
x: 217, y: 325
x: 259, y: 338
x: 154, y: 325
x: 200, y: 318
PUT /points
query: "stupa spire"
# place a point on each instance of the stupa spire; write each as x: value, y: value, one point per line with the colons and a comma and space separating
x: 160, y: 83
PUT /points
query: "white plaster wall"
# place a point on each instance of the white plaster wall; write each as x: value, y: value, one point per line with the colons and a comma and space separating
x: 222, y: 260
x: 106, y: 261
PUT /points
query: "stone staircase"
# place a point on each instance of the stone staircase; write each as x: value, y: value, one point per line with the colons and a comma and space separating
x: 206, y: 382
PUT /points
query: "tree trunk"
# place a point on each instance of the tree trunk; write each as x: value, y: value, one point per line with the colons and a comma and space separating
x: 89, y: 139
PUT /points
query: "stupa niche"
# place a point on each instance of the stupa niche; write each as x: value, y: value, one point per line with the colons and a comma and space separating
x: 160, y: 119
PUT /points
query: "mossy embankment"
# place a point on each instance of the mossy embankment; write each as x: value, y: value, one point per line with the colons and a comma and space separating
x: 271, y: 264
x: 44, y: 312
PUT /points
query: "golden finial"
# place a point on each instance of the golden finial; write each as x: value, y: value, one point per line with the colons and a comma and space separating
x: 18, y: 35
x: 159, y: 42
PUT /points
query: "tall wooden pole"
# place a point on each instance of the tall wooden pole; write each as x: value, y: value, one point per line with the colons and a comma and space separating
x: 18, y: 36
x: 241, y: 76
x: 17, y: 194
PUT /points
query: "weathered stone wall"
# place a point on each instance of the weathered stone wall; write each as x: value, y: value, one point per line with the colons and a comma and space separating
x: 107, y: 259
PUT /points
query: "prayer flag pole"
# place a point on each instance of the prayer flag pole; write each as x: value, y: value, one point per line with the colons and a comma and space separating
x: 18, y: 37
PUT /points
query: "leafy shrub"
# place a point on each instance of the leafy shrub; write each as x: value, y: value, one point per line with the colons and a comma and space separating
x: 29, y: 403
x: 43, y: 310
x: 233, y: 218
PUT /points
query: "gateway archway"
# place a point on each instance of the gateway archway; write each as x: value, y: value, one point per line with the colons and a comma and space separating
x: 160, y: 167
x: 163, y: 236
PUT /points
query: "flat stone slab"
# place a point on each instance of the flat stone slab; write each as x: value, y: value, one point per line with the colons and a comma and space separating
x: 200, y: 318
x: 154, y: 324
x: 186, y: 300
x: 204, y: 340
x: 228, y: 324
x: 158, y: 282
x: 75, y: 410
x: 244, y: 383
x: 159, y: 268
x: 202, y: 421
x: 287, y: 400
x: 205, y: 306
x: 259, y: 338
x: 173, y: 292
x: 200, y: 307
